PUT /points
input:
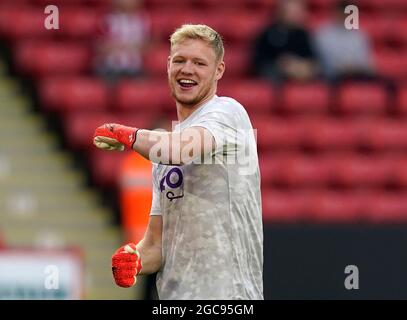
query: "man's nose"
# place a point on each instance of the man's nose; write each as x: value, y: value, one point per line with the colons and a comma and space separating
x: 187, y: 68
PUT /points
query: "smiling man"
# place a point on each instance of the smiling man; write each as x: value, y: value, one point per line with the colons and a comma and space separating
x: 205, y: 233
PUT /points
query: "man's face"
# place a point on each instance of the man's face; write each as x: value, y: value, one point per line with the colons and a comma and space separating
x: 193, y: 71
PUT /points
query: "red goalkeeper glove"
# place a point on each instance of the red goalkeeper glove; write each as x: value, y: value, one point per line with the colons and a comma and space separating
x: 112, y: 136
x: 126, y: 265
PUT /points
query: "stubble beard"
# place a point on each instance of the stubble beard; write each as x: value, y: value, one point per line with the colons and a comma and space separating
x: 188, y: 102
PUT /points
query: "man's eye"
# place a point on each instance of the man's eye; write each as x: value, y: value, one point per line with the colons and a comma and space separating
x: 200, y: 63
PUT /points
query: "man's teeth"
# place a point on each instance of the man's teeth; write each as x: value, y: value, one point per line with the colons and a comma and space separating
x: 187, y: 81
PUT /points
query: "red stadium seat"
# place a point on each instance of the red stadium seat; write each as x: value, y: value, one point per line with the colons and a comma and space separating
x: 317, y: 133
x: 155, y: 61
x: 332, y: 133
x: 366, y: 98
x: 386, y: 207
x: 336, y: 207
x: 155, y: 5
x: 321, y: 5
x: 79, y: 23
x: 23, y: 23
x: 345, y: 170
x: 391, y: 63
x: 145, y: 97
x: 237, y: 61
x: 255, y: 95
x: 269, y: 168
x: 273, y: 132
x: 259, y: 5
x: 316, y: 19
x: 399, y: 172
x: 214, y: 4
x: 254, y: 22
x: 58, y: 3
x: 399, y: 30
x: 354, y: 170
x: 386, y: 134
x: 49, y: 58
x: 297, y: 170
x: 15, y: 2
x: 73, y: 94
x: 378, y: 27
x: 305, y: 98
x: 401, y: 100
x: 164, y: 22
x: 279, y: 206
x: 264, y: 5
x: 383, y: 7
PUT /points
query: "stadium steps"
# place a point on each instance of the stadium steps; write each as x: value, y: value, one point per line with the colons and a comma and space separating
x: 44, y: 201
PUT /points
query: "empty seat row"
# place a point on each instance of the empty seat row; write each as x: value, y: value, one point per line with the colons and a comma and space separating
x: 390, y: 63
x: 228, y: 22
x: 71, y: 93
x: 259, y: 4
x: 384, y: 28
x: 82, y: 22
x: 314, y: 4
x: 39, y: 58
x: 51, y: 58
x: 340, y: 169
x: 334, y: 207
x: 324, y: 133
x: 85, y: 22
x: 380, y: 6
x: 28, y: 22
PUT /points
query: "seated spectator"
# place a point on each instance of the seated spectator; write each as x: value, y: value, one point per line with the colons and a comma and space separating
x: 283, y: 50
x: 344, y: 54
x: 122, y: 42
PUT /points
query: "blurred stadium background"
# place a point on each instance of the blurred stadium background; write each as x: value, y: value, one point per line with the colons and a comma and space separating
x: 333, y: 157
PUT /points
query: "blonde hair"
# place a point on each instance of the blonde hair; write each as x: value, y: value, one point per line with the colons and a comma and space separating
x: 201, y: 32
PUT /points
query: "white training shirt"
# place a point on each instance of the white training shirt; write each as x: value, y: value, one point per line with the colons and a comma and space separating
x: 212, y: 240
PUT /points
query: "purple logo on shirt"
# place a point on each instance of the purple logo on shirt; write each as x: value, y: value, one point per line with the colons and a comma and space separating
x: 174, y: 180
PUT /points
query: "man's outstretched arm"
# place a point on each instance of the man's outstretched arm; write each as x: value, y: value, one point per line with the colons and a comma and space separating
x: 132, y: 260
x: 175, y: 148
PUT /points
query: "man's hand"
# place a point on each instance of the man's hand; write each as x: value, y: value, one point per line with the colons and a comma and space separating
x: 112, y: 136
x: 126, y: 265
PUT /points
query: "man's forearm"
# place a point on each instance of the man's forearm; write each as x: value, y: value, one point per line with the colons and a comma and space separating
x: 170, y: 148
x: 153, y: 144
x: 150, y: 257
x: 174, y: 148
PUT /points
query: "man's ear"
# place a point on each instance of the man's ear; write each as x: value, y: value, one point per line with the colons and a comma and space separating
x: 220, y: 69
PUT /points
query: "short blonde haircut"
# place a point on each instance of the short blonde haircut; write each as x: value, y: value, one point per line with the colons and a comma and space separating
x: 201, y: 32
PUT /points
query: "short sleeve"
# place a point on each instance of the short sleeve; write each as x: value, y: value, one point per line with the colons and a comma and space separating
x: 222, y: 127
